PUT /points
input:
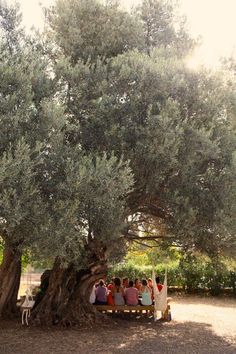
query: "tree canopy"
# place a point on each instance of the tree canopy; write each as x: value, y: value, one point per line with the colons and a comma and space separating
x: 174, y: 125
x: 107, y: 137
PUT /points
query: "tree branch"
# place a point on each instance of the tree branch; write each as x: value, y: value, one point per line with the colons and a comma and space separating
x: 133, y: 236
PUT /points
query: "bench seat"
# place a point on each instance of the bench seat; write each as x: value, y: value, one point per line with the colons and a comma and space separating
x: 166, y: 315
x: 124, y: 308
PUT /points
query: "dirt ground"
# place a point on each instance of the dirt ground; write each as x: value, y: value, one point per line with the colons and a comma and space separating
x: 199, y: 325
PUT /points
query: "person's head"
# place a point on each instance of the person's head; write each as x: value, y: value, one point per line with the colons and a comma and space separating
x: 150, y: 282
x: 111, y: 281
x: 125, y: 282
x: 157, y: 280
x: 131, y: 283
x: 110, y: 286
x: 117, y: 282
x: 101, y: 282
x: 144, y: 282
x: 136, y: 282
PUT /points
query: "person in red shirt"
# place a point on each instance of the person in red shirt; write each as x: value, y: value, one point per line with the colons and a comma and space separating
x: 110, y: 300
x: 159, y: 285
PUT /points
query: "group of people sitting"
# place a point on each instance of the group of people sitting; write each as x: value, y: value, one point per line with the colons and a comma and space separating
x: 127, y: 292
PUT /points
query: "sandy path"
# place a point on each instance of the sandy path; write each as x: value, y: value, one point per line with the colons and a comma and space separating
x: 199, y: 325
x: 218, y: 314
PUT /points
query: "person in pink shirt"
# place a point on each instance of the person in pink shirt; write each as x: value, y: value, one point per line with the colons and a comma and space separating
x: 131, y: 294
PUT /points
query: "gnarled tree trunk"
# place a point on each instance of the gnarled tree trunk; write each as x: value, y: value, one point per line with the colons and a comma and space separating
x: 66, y: 300
x: 61, y: 283
x: 79, y: 309
x: 10, y: 273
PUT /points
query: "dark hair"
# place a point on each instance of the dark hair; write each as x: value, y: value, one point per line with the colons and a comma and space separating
x: 144, y: 282
x: 117, y: 282
x: 111, y: 281
x: 131, y: 283
x: 157, y: 280
x: 135, y: 280
x: 101, y: 282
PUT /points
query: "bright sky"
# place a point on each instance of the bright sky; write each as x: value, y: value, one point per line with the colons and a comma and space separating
x: 213, y: 20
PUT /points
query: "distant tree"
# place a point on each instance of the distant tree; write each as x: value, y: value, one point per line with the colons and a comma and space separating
x: 162, y: 28
x: 88, y: 29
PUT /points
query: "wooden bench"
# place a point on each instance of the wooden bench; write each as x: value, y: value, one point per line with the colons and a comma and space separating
x: 139, y: 309
x: 124, y: 308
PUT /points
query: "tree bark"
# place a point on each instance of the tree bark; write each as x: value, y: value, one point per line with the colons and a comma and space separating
x: 10, y: 273
x: 79, y: 309
x: 66, y: 300
x: 61, y: 283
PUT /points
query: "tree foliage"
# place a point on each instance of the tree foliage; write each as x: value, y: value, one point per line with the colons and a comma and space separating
x: 107, y: 137
x: 174, y: 126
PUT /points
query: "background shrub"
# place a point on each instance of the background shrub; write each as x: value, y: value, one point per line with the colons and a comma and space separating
x: 191, y: 273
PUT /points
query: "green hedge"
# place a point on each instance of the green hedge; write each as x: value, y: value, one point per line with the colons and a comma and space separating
x: 190, y: 275
x: 133, y: 271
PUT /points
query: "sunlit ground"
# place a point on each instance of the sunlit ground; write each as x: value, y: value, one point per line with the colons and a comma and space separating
x: 199, y: 326
x: 218, y: 313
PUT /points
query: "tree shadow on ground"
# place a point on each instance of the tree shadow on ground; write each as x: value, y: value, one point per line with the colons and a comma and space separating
x: 173, y: 337
x: 122, y: 336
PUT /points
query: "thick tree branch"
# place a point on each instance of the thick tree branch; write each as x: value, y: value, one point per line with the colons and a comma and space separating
x: 133, y: 236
